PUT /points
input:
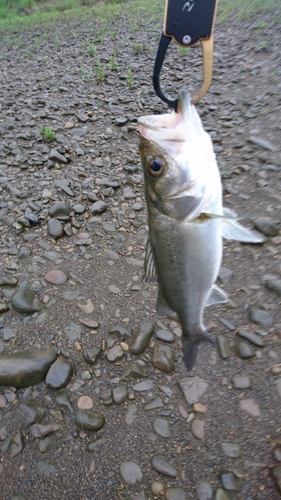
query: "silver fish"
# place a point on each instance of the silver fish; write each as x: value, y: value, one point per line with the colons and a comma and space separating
x: 186, y: 219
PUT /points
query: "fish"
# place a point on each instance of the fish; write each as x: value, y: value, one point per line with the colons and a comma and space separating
x: 186, y: 219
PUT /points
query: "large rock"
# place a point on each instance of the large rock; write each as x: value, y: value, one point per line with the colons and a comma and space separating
x: 25, y: 301
x: 25, y: 368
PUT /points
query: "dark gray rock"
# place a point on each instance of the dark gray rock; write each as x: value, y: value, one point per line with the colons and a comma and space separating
x: 55, y: 228
x: 59, y: 374
x: 25, y: 301
x: 25, y: 368
x: 89, y: 420
x: 31, y: 412
x: 141, y: 338
x: 163, y: 358
x: 60, y: 210
x: 56, y: 156
x: 267, y: 226
x: 160, y: 464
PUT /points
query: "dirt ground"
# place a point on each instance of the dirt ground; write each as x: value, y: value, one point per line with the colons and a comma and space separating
x: 49, y: 77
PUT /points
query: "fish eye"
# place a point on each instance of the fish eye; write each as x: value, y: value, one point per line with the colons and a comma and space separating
x: 156, y: 167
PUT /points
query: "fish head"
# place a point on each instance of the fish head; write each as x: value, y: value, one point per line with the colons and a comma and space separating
x: 180, y: 170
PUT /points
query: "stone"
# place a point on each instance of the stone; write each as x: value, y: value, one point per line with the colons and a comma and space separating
x: 39, y: 430
x: 17, y: 445
x: 130, y: 472
x: 91, y: 354
x: 165, y: 336
x: 231, y: 450
x: 89, y: 420
x: 244, y: 350
x: 141, y: 338
x: 225, y: 274
x: 134, y: 370
x: 157, y: 488
x: 45, y: 444
x: 276, y: 472
x: 266, y: 226
x: 96, y: 445
x: 250, y: 407
x: 45, y: 468
x: 197, y: 428
x: 62, y: 399
x: 193, y: 389
x: 120, y: 394
x: 174, y: 494
x: 56, y: 277
x: 57, y: 157
x: 25, y: 368
x: 153, y: 404
x: 274, y: 285
x: 25, y: 301
x: 260, y: 316
x: 163, y: 358
x: 252, y: 337
x: 224, y: 346
x: 160, y: 464
x: 85, y: 403
x: 253, y: 467
x: 73, y: 331
x: 98, y: 207
x: 31, y: 412
x: 229, y: 481
x: 204, y: 490
x: 60, y: 210
x: 162, y: 427
x: 221, y: 495
x: 240, y: 382
x: 59, y: 374
x: 145, y: 385
x: 55, y: 228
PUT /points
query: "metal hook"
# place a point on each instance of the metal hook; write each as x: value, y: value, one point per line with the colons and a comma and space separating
x: 207, y: 52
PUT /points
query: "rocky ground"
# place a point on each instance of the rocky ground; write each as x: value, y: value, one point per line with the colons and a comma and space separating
x: 118, y: 416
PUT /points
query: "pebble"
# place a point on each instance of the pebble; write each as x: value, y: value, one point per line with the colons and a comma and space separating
x: 250, y: 407
x: 60, y: 210
x: 276, y: 472
x: 153, y: 404
x: 59, y: 374
x: 17, y: 444
x: 157, y: 488
x: 45, y: 468
x: 89, y: 420
x: 204, y: 490
x: 62, y: 399
x: 160, y: 464
x: 244, y: 350
x: 193, y: 389
x: 141, y: 338
x: 25, y: 368
x: 231, y: 450
x: 221, y: 495
x: 163, y: 358
x: 55, y: 228
x: 25, y: 301
x: 260, y: 316
x: 267, y: 226
x: 56, y: 277
x: 130, y: 472
x: 174, y: 494
x: 229, y: 481
x: 85, y: 403
x: 114, y: 353
x: 225, y: 274
x: 73, y: 331
x: 252, y: 337
x: 165, y: 336
x: 274, y: 285
x: 197, y: 428
x: 91, y: 354
x: 162, y: 427
x: 224, y: 346
x: 120, y: 394
x: 145, y: 385
x: 240, y: 382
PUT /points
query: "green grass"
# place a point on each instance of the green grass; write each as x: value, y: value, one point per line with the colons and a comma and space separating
x: 25, y: 13
x: 46, y: 133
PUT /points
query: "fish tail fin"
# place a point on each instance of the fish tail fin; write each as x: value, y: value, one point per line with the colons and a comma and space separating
x: 190, y: 348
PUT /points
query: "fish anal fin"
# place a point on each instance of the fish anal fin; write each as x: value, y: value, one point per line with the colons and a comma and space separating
x: 190, y: 348
x: 163, y: 308
x: 217, y: 296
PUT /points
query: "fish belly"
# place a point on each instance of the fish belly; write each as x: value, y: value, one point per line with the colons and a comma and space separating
x: 187, y: 258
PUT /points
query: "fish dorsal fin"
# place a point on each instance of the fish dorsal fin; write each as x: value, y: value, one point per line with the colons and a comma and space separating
x: 232, y: 230
x: 216, y: 296
x: 149, y: 270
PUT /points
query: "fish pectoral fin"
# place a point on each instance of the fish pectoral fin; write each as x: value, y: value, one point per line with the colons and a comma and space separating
x: 232, y: 230
x: 149, y: 269
x: 216, y: 296
x: 190, y: 348
x: 163, y: 308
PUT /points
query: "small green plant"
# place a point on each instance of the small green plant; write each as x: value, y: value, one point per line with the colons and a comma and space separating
x: 91, y: 50
x: 45, y: 59
x: 112, y: 63
x: 138, y: 47
x: 37, y: 42
x: 46, y: 133
x: 148, y: 48
x: 263, y: 43
x: 260, y: 27
x: 99, y: 71
x: 114, y: 35
x: 116, y: 52
x: 86, y: 75
x: 58, y: 43
x: 130, y: 78
x: 183, y: 51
